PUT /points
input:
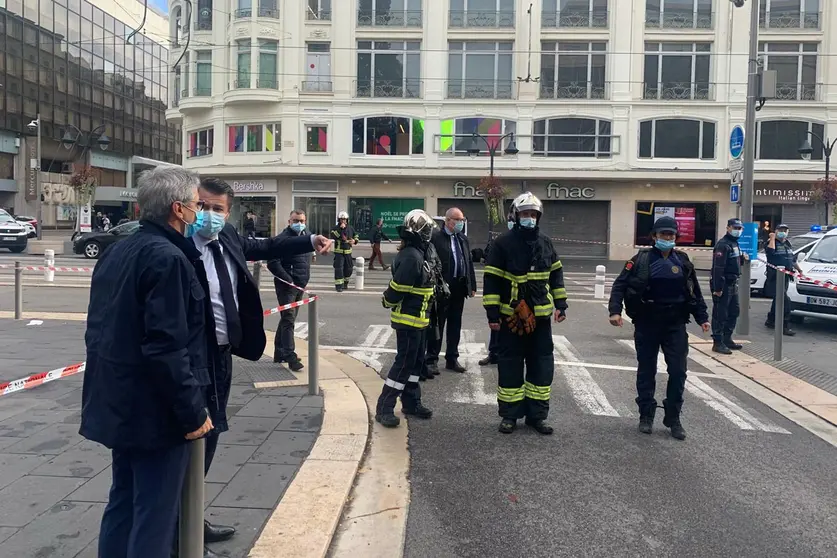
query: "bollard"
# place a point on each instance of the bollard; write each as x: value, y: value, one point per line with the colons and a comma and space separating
x: 599, y: 291
x: 49, y: 263
x: 313, y: 344
x: 191, y: 503
x: 779, y: 313
x: 18, y: 291
x: 257, y: 273
x: 359, y: 271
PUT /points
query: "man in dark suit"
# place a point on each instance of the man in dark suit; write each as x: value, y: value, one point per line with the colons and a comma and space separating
x: 458, y: 272
x: 235, y: 317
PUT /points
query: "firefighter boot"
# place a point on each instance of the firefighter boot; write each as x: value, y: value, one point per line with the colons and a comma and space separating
x: 539, y: 426
x: 418, y: 410
x: 507, y: 425
x: 388, y: 419
x: 672, y: 420
x: 646, y: 419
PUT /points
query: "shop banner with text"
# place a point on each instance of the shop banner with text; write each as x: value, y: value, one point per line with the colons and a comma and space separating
x: 686, y: 224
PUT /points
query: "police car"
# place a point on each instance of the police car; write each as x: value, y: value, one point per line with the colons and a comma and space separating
x: 819, y: 262
x: 801, y: 244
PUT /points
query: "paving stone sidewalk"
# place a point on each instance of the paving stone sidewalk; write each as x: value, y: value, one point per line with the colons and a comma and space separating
x: 54, y: 484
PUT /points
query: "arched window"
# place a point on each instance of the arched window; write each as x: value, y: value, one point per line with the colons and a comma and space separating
x: 572, y: 137
x: 676, y: 138
x: 387, y: 135
x: 457, y: 135
x: 780, y: 140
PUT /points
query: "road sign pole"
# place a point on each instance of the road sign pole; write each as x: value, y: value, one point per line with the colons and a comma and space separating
x: 747, y: 188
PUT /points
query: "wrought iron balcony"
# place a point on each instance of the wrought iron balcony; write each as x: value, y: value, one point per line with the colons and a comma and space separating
x: 202, y: 92
x: 394, y: 18
x: 390, y: 89
x: 790, y: 20
x: 798, y: 91
x: 272, y: 13
x: 679, y: 91
x: 243, y: 83
x: 480, y: 89
x: 318, y: 15
x: 243, y: 13
x: 679, y: 19
x: 267, y: 83
x: 481, y: 19
x: 203, y: 25
x: 574, y: 90
x: 316, y: 86
x: 596, y: 19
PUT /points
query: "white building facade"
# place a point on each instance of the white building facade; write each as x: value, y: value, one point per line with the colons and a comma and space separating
x: 621, y: 109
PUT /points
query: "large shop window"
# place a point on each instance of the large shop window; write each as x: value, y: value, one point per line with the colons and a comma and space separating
x: 676, y: 138
x: 254, y: 138
x: 572, y: 137
x: 781, y: 139
x: 697, y: 222
x: 201, y: 142
x: 385, y: 135
x: 365, y: 212
x: 457, y: 135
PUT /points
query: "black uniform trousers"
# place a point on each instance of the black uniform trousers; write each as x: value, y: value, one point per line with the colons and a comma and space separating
x: 518, y: 397
x: 771, y: 316
x: 141, y: 515
x: 403, y: 377
x: 450, y: 316
x: 284, y: 346
x: 343, y: 267
x: 649, y: 337
x: 493, y: 342
x: 725, y: 310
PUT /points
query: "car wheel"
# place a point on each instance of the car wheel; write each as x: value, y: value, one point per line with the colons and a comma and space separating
x: 17, y: 249
x: 92, y: 250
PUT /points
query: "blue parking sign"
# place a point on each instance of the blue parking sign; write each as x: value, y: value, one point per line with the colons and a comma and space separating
x: 734, y: 193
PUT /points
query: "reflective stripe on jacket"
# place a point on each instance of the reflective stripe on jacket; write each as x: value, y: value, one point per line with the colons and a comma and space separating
x: 343, y: 239
x: 410, y: 290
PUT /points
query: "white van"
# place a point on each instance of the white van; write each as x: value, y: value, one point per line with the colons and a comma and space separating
x: 819, y: 263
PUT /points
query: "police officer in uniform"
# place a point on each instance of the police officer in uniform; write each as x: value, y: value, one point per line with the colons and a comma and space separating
x: 523, y: 287
x: 408, y: 296
x: 344, y: 238
x: 660, y: 290
x: 779, y: 253
x: 726, y: 269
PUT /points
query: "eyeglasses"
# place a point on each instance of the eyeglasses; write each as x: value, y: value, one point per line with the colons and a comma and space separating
x: 198, y: 204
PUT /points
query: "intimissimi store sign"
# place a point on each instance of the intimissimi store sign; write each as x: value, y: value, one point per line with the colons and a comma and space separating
x: 781, y: 193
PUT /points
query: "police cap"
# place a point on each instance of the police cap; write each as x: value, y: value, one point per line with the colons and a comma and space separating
x: 735, y: 222
x: 782, y: 226
x: 665, y: 224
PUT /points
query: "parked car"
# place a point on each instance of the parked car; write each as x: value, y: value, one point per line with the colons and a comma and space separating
x: 92, y: 244
x: 31, y: 220
x: 30, y: 228
x: 13, y: 235
x: 801, y: 245
x: 819, y: 263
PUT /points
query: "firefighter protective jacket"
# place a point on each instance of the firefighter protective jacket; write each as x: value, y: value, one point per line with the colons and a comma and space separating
x: 410, y: 290
x: 520, y: 269
x: 343, y: 239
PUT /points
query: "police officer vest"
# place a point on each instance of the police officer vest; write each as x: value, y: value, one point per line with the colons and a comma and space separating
x: 640, y: 277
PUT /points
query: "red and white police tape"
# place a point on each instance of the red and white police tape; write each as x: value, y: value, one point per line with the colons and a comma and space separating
x: 801, y: 277
x: 311, y: 298
x: 50, y: 268
x: 41, y: 378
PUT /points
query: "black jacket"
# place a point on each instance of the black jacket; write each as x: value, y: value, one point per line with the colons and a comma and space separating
x: 376, y: 235
x: 410, y: 290
x: 344, y: 239
x: 146, y: 339
x: 441, y: 241
x: 726, y: 263
x: 249, y: 226
x: 293, y: 269
x: 780, y: 256
x: 630, y: 288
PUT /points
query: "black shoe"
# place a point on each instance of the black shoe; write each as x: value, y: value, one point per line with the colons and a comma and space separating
x: 424, y: 378
x: 388, y: 420
x: 769, y: 325
x: 455, y: 366
x: 433, y: 369
x: 718, y: 347
x: 488, y: 361
x: 732, y: 344
x: 646, y: 420
x: 207, y: 553
x: 507, y: 425
x: 539, y: 426
x: 296, y: 365
x: 277, y: 359
x: 672, y: 420
x: 419, y: 411
x: 789, y: 332
x: 216, y: 533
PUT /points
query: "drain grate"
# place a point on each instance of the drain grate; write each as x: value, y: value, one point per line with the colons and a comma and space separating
x: 264, y: 370
x: 818, y: 378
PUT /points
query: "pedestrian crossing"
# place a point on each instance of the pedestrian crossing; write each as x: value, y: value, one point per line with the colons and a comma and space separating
x: 596, y: 388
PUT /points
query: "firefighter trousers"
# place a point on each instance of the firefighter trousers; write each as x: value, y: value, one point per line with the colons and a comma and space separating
x: 343, y: 266
x: 525, y: 395
x: 403, y: 377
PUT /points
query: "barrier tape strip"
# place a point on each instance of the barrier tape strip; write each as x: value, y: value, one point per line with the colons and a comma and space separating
x: 41, y: 378
x: 800, y: 277
x: 289, y: 306
x: 50, y: 268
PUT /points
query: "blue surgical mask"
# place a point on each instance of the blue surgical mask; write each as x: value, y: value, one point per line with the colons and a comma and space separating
x: 735, y: 233
x: 781, y: 235
x: 459, y: 226
x: 297, y: 227
x: 212, y: 223
x: 511, y: 225
x: 664, y: 245
x: 195, y: 226
x: 528, y: 222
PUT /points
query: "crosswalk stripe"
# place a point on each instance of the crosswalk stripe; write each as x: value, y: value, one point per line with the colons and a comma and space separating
x: 301, y: 330
x: 585, y: 390
x: 470, y: 386
x: 377, y: 336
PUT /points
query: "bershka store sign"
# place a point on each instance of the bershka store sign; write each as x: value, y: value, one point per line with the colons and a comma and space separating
x: 554, y: 191
x: 782, y: 194
x: 253, y: 186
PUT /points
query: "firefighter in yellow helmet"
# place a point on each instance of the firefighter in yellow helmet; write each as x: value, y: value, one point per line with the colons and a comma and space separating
x: 523, y: 288
x: 344, y: 237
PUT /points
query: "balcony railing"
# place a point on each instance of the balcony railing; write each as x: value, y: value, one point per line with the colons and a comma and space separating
x: 679, y: 91
x: 316, y: 86
x: 243, y: 83
x: 480, y: 19
x: 318, y: 15
x: 679, y: 19
x: 243, y: 13
x: 480, y: 89
x: 574, y: 90
x: 596, y: 19
x: 790, y: 20
x: 267, y: 83
x: 798, y: 91
x: 202, y: 92
x: 272, y: 13
x: 395, y: 18
x: 199, y: 151
x: 203, y: 25
x: 389, y: 89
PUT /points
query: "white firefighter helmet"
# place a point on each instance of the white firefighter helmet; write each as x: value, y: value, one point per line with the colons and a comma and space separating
x: 342, y: 215
x: 419, y: 222
x: 526, y: 201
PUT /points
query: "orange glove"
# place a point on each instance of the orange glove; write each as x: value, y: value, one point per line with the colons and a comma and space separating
x: 523, y: 320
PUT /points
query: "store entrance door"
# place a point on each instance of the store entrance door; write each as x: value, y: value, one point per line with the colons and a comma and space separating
x: 265, y: 210
x: 321, y: 212
x: 767, y: 216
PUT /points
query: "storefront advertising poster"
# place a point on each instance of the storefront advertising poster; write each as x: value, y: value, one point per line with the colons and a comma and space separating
x: 365, y: 212
x: 685, y: 217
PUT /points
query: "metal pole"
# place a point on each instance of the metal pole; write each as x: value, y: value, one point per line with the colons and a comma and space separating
x: 18, y: 291
x: 747, y: 188
x: 313, y: 344
x: 779, y: 316
x: 191, y: 503
x: 38, y: 203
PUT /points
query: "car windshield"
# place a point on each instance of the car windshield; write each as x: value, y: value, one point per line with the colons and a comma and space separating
x: 825, y: 251
x: 6, y: 218
x: 800, y: 240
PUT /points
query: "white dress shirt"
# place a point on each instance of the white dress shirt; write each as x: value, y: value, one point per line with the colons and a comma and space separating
x: 208, y: 260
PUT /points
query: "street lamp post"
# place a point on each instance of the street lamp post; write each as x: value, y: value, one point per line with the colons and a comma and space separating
x: 474, y: 150
x: 807, y: 150
x: 85, y: 141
